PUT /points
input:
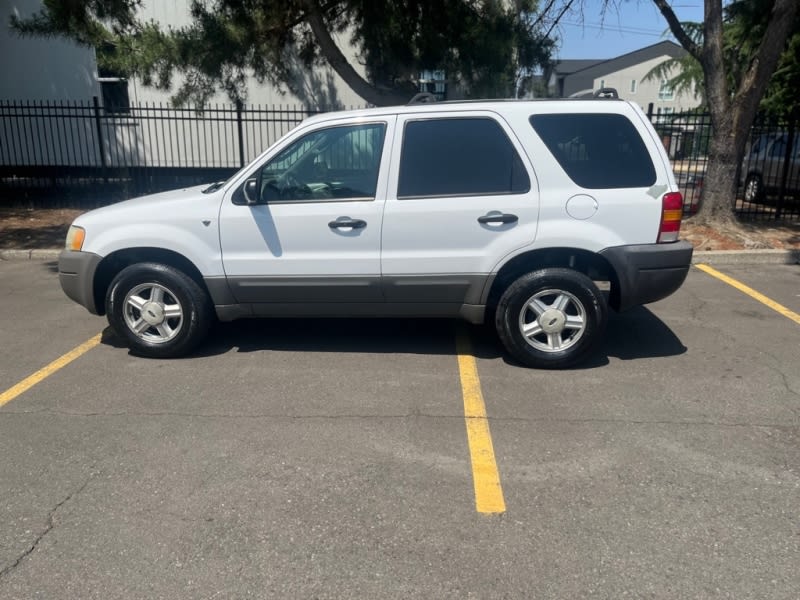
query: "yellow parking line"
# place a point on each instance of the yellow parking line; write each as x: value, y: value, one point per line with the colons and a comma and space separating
x: 45, y: 372
x: 779, y: 308
x: 485, y: 477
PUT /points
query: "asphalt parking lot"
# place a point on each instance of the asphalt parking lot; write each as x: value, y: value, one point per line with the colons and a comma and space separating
x: 331, y: 459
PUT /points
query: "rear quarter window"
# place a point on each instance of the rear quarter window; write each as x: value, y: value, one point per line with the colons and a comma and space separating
x: 597, y: 151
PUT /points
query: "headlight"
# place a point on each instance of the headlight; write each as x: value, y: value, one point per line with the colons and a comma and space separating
x: 75, y: 237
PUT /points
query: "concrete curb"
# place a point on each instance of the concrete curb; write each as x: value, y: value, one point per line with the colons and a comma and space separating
x: 50, y: 254
x: 709, y: 257
x: 746, y: 257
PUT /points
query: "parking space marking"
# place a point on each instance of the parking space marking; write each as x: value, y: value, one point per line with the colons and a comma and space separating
x: 485, y: 476
x: 45, y: 372
x: 779, y: 308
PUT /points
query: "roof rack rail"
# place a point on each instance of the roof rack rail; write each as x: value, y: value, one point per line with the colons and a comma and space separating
x: 422, y: 98
x: 606, y: 92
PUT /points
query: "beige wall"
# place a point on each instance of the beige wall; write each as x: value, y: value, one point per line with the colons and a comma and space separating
x: 646, y: 91
x: 55, y: 69
x: 42, y: 69
x: 316, y: 87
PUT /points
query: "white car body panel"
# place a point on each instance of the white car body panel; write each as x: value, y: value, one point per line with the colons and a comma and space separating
x: 174, y: 220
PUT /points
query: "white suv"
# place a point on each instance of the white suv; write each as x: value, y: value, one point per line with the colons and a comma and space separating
x: 503, y: 211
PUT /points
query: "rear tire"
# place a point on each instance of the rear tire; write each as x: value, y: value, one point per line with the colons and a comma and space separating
x: 160, y: 311
x: 754, y: 188
x: 551, y: 318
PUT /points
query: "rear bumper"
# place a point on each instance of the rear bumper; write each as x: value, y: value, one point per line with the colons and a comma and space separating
x: 76, y: 274
x: 648, y: 272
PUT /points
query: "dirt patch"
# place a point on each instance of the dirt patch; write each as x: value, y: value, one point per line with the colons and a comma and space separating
x: 35, y: 228
x: 743, y: 236
x: 45, y: 228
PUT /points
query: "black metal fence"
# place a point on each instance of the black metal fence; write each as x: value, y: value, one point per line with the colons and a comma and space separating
x: 78, y: 154
x: 769, y: 176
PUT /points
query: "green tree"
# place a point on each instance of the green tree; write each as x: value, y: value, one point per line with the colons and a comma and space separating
x: 481, y: 44
x: 743, y: 22
x: 684, y: 74
x: 733, y: 101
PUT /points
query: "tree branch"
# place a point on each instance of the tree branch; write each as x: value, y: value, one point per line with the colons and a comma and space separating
x: 338, y: 62
x: 677, y: 29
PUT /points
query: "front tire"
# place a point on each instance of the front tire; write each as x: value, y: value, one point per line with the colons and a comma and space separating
x: 551, y: 318
x: 160, y: 311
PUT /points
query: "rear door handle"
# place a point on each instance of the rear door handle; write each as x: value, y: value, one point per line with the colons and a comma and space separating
x: 347, y: 223
x: 498, y: 218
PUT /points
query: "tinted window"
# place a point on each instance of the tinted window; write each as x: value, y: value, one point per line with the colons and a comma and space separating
x: 597, y: 151
x: 459, y: 157
x: 332, y: 163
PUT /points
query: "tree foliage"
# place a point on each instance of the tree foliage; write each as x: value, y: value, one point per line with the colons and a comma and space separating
x: 744, y: 24
x: 481, y: 44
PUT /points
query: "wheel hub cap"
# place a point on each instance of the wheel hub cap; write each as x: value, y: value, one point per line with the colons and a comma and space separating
x: 552, y: 321
x: 153, y: 313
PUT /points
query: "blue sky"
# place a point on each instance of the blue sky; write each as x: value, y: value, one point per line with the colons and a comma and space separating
x: 636, y: 24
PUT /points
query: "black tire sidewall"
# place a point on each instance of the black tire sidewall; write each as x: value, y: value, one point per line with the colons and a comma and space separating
x: 515, y: 298
x: 758, y: 184
x: 192, y: 298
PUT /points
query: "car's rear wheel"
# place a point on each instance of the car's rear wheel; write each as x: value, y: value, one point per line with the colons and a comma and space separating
x: 551, y: 318
x: 754, y: 188
x: 160, y: 311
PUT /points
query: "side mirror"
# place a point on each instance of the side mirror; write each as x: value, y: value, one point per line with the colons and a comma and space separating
x: 250, y: 190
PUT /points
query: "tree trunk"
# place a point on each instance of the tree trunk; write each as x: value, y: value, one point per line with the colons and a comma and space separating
x: 720, y: 183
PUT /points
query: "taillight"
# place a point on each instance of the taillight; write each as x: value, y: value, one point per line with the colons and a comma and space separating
x: 671, y: 214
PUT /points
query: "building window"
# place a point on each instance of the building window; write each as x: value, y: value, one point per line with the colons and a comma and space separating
x: 665, y: 91
x: 434, y: 82
x: 115, y: 95
x: 633, y: 86
x: 113, y: 84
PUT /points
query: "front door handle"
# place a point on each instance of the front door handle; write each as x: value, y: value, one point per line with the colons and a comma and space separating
x: 347, y: 223
x: 498, y: 218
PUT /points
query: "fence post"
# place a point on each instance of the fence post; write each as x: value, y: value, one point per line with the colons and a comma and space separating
x: 239, y: 108
x: 100, y: 147
x: 787, y: 158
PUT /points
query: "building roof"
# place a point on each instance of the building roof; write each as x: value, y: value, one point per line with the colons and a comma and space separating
x: 568, y: 66
x: 581, y: 79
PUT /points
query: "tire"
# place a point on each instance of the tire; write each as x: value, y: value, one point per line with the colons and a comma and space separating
x: 754, y: 188
x: 575, y: 311
x: 160, y: 311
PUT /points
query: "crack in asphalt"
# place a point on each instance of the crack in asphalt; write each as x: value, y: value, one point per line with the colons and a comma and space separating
x: 706, y: 423
x: 50, y: 526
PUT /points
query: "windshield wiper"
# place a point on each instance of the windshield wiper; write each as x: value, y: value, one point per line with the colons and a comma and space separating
x: 214, y: 187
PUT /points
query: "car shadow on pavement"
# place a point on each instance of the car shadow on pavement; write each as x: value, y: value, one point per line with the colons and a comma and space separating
x: 362, y: 336
x: 636, y: 334
x: 357, y: 336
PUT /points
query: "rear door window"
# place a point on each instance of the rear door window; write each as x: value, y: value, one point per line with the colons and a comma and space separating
x: 597, y: 151
x: 459, y: 157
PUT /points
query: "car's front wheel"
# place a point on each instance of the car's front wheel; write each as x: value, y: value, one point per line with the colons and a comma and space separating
x: 159, y: 310
x: 551, y: 318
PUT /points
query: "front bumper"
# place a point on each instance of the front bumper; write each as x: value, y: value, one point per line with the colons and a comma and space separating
x: 648, y: 272
x: 76, y: 273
